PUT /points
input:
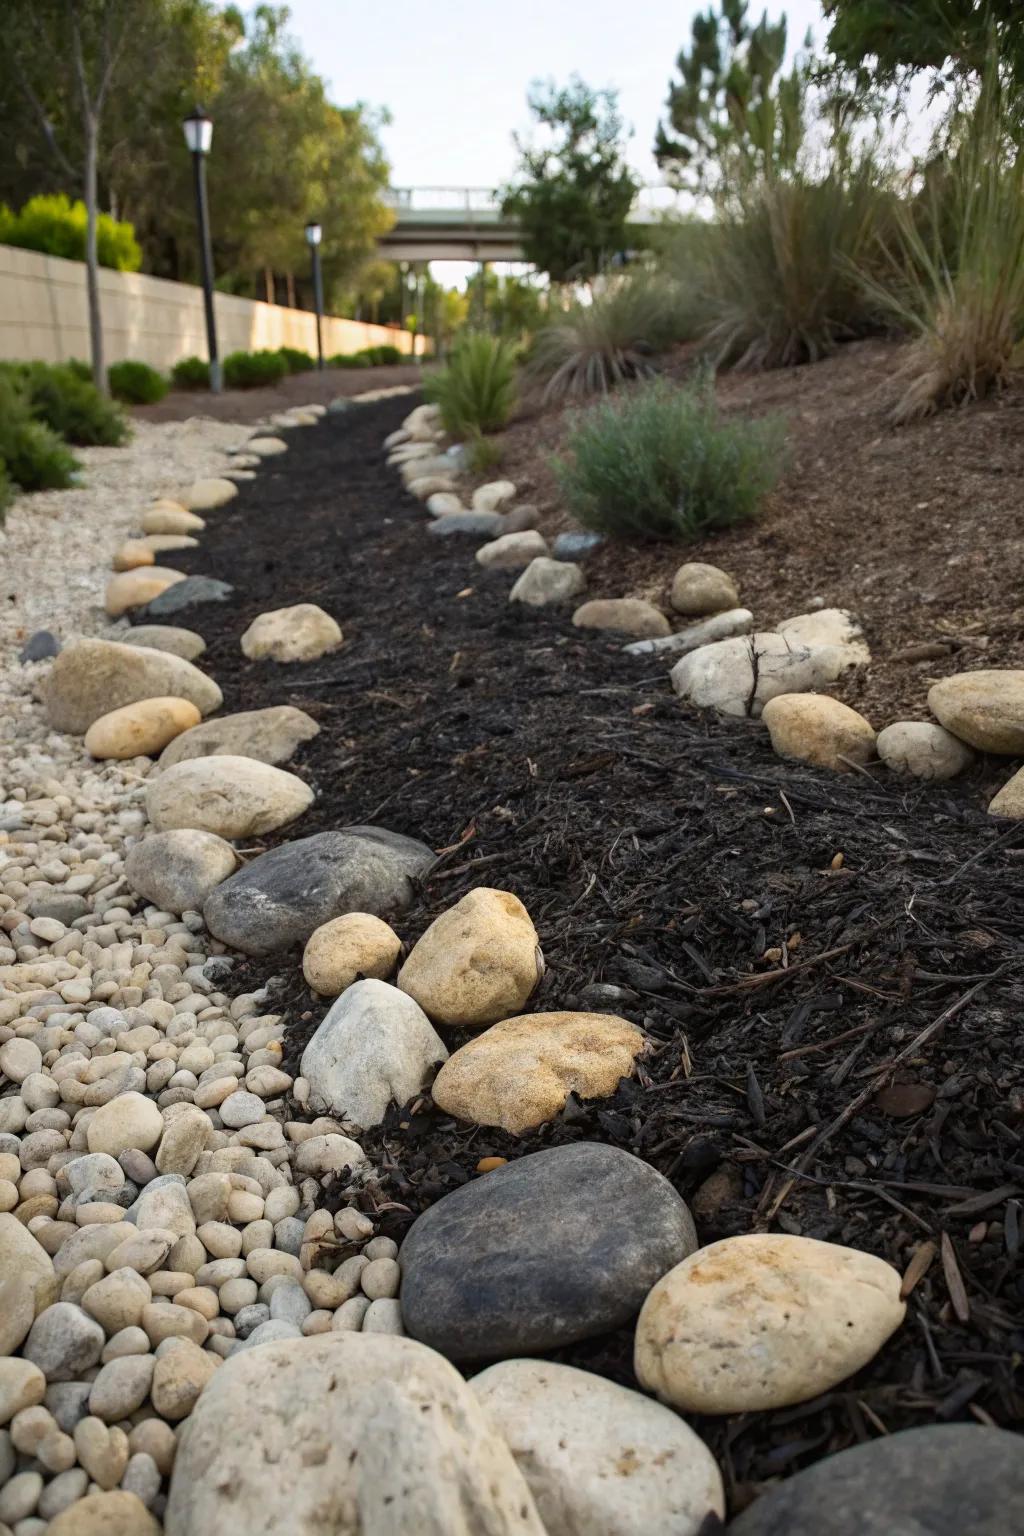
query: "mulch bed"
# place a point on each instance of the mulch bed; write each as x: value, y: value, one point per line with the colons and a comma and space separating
x: 311, y: 388
x: 831, y: 968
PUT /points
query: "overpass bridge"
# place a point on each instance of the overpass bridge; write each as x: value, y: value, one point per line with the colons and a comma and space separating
x: 467, y: 224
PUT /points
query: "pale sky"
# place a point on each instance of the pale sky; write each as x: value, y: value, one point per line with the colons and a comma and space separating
x: 454, y: 73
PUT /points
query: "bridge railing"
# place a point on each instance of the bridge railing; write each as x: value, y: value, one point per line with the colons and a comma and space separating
x: 469, y: 203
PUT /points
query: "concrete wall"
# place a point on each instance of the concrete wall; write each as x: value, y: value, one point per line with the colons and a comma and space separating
x: 43, y: 315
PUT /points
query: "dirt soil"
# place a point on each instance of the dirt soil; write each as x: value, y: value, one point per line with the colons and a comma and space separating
x: 830, y: 969
x: 918, y: 529
x: 245, y: 405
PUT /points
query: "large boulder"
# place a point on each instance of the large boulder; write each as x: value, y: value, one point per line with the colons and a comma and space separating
x: 231, y: 796
x: 814, y: 728
x: 919, y: 749
x: 141, y: 729
x: 941, y: 1480
x: 269, y: 735
x: 547, y: 581
x: 622, y: 616
x: 281, y: 896
x: 985, y: 709
x: 344, y: 1434
x: 699, y: 589
x: 177, y: 870
x: 374, y: 1045
x: 520, y: 1072
x: 477, y: 963
x: 558, y: 1246
x: 166, y: 637
x: 739, y: 676
x: 600, y: 1460
x: 762, y: 1321
x: 91, y: 677
x: 28, y: 1283
x: 300, y: 633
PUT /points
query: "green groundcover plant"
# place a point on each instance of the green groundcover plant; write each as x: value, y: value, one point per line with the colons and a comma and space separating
x: 661, y: 463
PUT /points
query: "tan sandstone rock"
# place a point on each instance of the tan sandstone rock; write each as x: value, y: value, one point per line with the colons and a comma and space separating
x: 762, y: 1321
x: 814, y: 728
x: 300, y: 633
x: 510, y: 551
x: 170, y: 517
x: 699, y: 589
x: 92, y: 677
x: 520, y: 1072
x: 28, y: 1283
x: 271, y: 735
x: 919, y: 749
x: 114, y: 1513
x: 1009, y: 801
x: 623, y: 616
x: 131, y: 554
x: 231, y: 796
x: 547, y: 581
x: 165, y: 637
x: 207, y: 495
x: 140, y: 730
x: 494, y: 496
x: 339, y: 952
x: 477, y: 963
x: 133, y: 589
x: 985, y: 709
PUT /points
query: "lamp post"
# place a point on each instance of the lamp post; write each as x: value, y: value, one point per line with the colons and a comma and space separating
x: 314, y: 234
x: 198, y: 129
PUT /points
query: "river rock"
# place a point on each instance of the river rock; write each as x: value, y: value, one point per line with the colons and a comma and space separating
x: 919, y: 749
x: 827, y: 626
x: 555, y: 1247
x: 92, y: 677
x: 165, y: 543
x: 374, y: 1045
x: 985, y: 709
x: 1009, y: 801
x: 521, y: 518
x: 266, y: 447
x: 813, y: 728
x: 477, y: 525
x: 280, y: 897
x: 231, y: 796
x: 940, y: 1480
x: 339, y: 952
x: 40, y: 646
x: 762, y: 1321
x: 699, y: 589
x: 177, y: 870
x: 129, y: 1122
x: 114, y: 1513
x: 187, y: 594
x: 622, y: 616
x: 269, y: 735
x: 131, y: 554
x: 300, y: 633
x: 22, y: 1385
x: 494, y: 496
x: 346, y: 1433
x: 477, y: 963
x: 141, y: 729
x: 170, y: 517
x: 721, y: 626
x: 438, y: 495
x: 600, y: 1460
x: 28, y: 1283
x: 63, y: 1342
x: 520, y: 1072
x: 207, y: 495
x: 547, y: 581
x: 512, y: 550
x: 136, y: 588
x: 576, y: 545
x: 166, y: 637
x: 179, y: 1379
x: 121, y: 1387
x: 739, y: 676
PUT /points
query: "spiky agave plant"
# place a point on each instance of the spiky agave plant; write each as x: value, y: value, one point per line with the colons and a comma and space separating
x: 476, y: 390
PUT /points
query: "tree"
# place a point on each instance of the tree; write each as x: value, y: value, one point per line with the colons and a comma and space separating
x: 82, y: 41
x: 731, y: 108
x: 573, y: 191
x: 953, y: 38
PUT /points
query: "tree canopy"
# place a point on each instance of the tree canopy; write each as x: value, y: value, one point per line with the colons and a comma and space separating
x: 953, y: 37
x: 573, y: 190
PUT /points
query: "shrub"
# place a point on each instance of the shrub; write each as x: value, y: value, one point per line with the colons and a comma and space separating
x: 779, y: 271
x: 483, y: 454
x: 56, y: 226
x: 660, y: 463
x: 348, y: 360
x: 72, y: 406
x: 297, y: 361
x: 191, y: 373
x: 6, y: 492
x: 476, y: 391
x: 382, y: 356
x: 597, y: 345
x: 954, y: 271
x: 31, y: 453
x: 136, y: 383
x: 80, y: 369
x: 251, y: 370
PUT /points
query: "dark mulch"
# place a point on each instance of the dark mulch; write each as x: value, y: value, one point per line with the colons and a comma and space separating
x: 312, y: 388
x: 831, y: 968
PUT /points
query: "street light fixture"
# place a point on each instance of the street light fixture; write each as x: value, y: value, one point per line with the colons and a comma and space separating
x: 198, y: 128
x: 314, y: 234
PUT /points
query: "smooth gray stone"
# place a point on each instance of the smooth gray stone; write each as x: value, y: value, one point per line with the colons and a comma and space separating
x: 943, y: 1480
x: 480, y: 525
x: 555, y: 1247
x: 279, y: 898
x: 573, y: 546
x: 40, y: 646
x: 66, y: 909
x: 269, y: 735
x: 184, y: 594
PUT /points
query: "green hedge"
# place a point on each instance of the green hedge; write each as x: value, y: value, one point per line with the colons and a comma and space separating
x: 191, y: 373
x: 73, y: 407
x: 250, y: 370
x: 296, y: 360
x: 136, y: 383
x: 56, y: 226
x: 31, y: 453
